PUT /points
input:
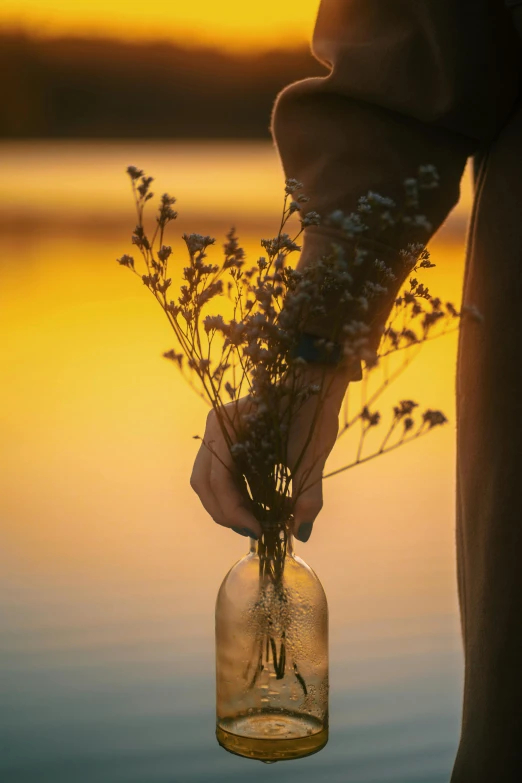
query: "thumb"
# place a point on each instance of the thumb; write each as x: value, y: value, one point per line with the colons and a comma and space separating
x: 308, y: 499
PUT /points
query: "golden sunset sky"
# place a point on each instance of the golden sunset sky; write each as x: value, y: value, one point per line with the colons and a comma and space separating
x: 227, y: 24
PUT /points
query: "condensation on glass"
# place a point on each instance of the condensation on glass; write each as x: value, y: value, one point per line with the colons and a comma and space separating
x: 272, y: 660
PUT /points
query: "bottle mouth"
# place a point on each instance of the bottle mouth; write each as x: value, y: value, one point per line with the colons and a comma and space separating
x: 275, y: 542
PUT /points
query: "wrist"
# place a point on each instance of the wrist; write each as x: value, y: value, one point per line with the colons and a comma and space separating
x: 318, y: 350
x: 327, y: 356
x: 332, y: 380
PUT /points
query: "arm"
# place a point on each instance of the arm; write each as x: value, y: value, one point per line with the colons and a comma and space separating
x: 413, y: 82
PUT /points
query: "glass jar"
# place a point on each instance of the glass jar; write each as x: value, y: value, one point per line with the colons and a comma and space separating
x: 272, y: 654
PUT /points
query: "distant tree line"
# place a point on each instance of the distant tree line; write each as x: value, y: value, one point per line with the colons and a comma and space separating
x: 100, y: 88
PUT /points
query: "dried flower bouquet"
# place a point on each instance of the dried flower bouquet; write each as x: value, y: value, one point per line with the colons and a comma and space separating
x: 239, y: 331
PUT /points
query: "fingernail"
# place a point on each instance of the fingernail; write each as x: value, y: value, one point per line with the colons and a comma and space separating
x: 245, y: 531
x: 305, y: 531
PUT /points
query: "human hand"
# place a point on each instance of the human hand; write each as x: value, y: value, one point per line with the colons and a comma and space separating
x: 221, y: 489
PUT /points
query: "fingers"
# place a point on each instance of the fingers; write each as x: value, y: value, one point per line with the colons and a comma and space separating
x: 308, y: 491
x: 214, y: 481
x: 200, y: 483
x: 225, y: 486
x: 306, y: 510
x: 307, y: 481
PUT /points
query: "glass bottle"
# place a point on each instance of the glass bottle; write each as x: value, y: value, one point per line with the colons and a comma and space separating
x: 272, y: 654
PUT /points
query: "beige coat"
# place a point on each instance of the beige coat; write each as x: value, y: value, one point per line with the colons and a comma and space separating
x: 412, y: 82
x: 435, y: 81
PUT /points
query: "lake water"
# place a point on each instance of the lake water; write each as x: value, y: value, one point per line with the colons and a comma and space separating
x: 110, y: 568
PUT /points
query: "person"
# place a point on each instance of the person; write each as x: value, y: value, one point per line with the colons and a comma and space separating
x: 436, y: 82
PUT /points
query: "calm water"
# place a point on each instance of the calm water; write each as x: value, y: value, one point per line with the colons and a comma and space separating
x: 109, y: 566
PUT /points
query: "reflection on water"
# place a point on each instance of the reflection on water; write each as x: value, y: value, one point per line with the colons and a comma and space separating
x: 110, y: 568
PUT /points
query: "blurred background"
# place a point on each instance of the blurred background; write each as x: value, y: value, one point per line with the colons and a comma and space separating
x: 109, y: 567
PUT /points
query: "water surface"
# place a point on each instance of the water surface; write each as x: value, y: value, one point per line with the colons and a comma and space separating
x: 109, y: 567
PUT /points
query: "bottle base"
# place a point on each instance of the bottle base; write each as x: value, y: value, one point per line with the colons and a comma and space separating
x: 272, y: 736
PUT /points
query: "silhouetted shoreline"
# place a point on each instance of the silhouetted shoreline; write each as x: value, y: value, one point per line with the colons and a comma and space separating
x: 101, y: 88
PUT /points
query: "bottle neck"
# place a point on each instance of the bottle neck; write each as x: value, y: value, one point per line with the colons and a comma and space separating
x: 255, y: 545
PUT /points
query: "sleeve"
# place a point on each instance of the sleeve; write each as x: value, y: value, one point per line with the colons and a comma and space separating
x: 411, y: 82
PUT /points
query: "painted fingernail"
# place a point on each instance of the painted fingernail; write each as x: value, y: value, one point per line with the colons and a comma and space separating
x: 245, y: 531
x: 305, y: 531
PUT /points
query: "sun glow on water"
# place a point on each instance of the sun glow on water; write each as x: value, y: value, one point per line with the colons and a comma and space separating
x: 110, y: 566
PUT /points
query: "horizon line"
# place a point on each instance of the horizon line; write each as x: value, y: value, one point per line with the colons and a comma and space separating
x: 249, y: 46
